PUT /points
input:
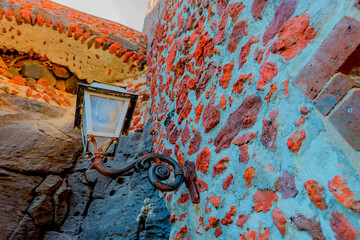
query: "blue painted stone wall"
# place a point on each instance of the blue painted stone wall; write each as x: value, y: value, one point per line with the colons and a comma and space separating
x: 223, y: 95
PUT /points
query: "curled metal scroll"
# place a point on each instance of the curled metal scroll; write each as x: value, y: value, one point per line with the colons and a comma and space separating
x: 158, y: 171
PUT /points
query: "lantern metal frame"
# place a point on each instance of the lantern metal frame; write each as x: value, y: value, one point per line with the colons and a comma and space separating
x: 158, y: 165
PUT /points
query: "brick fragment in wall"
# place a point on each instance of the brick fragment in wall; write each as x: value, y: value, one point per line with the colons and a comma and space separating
x: 310, y: 225
x: 336, y: 90
x: 300, y: 32
x: 343, y: 229
x: 347, y: 119
x: 242, y: 118
x: 286, y: 185
x: 282, y: 13
x: 333, y: 52
x: 257, y: 8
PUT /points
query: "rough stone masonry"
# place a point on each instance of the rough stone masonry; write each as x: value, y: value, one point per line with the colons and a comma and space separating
x: 263, y: 95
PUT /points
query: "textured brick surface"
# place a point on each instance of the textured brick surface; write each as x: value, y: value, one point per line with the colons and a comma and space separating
x: 347, y: 119
x: 333, y: 52
x: 335, y: 91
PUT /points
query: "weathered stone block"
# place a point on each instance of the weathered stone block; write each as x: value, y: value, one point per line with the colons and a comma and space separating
x: 41, y: 210
x: 37, y: 71
x: 347, y: 120
x: 335, y: 91
x: 333, y: 52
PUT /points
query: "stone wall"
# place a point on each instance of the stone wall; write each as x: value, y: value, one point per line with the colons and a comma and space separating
x: 264, y: 97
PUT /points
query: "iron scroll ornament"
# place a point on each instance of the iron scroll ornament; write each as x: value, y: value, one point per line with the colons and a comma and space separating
x: 158, y: 169
x: 157, y: 173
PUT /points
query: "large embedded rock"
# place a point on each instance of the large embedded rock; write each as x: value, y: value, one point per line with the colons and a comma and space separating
x: 37, y: 71
x: 26, y: 230
x: 41, y: 210
x: 36, y: 137
x: 60, y: 71
x: 72, y: 84
x: 49, y: 185
x: 60, y: 201
x: 15, y: 197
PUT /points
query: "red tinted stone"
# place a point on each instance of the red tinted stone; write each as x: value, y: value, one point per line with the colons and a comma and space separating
x: 219, y: 167
x: 185, y: 111
x: 227, y: 181
x: 169, y: 129
x: 245, y: 138
x: 228, y: 218
x: 238, y: 85
x: 286, y: 85
x: 282, y: 13
x: 245, y: 50
x: 218, y: 231
x: 185, y: 136
x: 221, y: 6
x: 268, y: 71
x: 211, y: 116
x: 8, y: 14
x: 238, y: 30
x: 182, y: 216
x: 273, y: 88
x: 226, y: 76
x: 204, y: 48
x: 215, y: 200
x: 241, y: 220
x: 257, y: 8
x: 213, y: 221
x: 263, y: 200
x: 18, y: 80
x: 279, y: 220
x: 309, y: 225
x: 44, y: 82
x: 338, y: 187
x: 234, y: 10
x: 249, y: 235
x: 343, y: 229
x: 195, y: 143
x: 333, y: 52
x: 220, y: 33
x: 346, y: 119
x: 244, y: 154
x: 201, y: 185
x: 198, y: 112
x: 295, y: 141
x: 269, y: 130
x: 300, y: 121
x: 202, y: 160
x: 183, y: 199
x: 286, y: 185
x: 222, y: 102
x: 249, y: 174
x: 242, y: 118
x: 170, y: 58
x: 304, y: 110
x: 315, y: 192
x: 294, y: 36
x: 28, y: 92
x: 181, y: 94
x: 173, y: 218
x: 182, y: 233
x: 335, y: 91
x: 209, y: 72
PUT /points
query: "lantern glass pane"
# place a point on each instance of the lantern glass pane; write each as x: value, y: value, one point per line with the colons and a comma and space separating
x: 105, y: 114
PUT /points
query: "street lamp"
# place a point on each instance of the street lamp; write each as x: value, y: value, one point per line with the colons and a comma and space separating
x: 103, y: 113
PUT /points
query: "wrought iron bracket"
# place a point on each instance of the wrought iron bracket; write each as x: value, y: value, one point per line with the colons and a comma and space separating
x: 158, y: 166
